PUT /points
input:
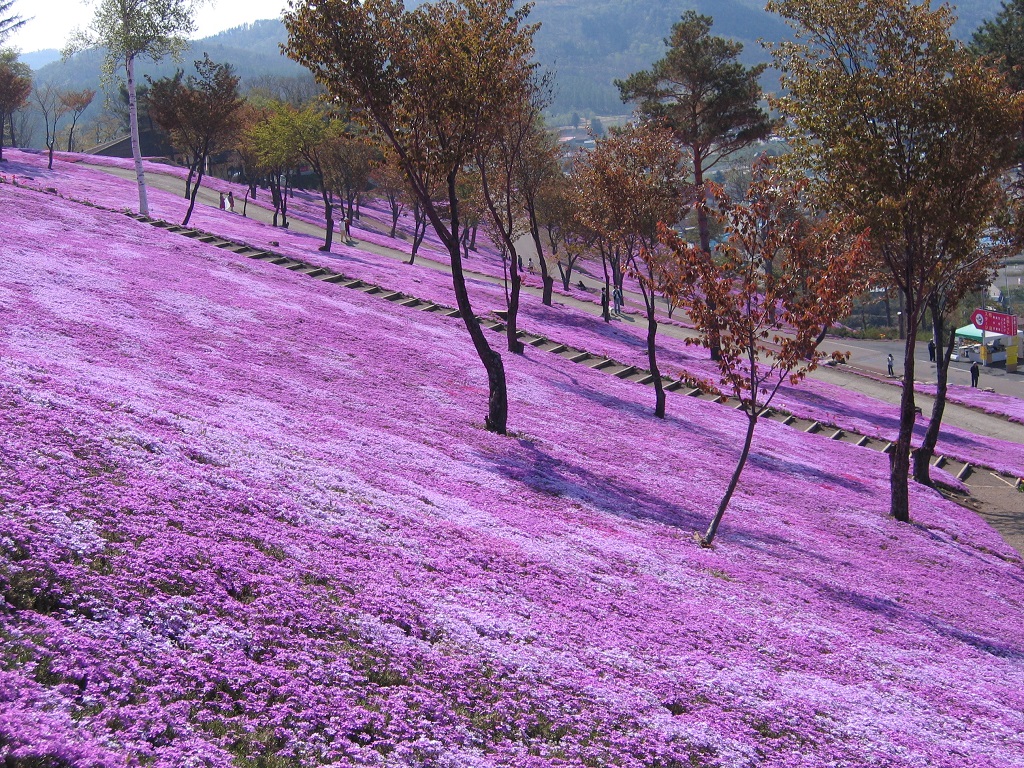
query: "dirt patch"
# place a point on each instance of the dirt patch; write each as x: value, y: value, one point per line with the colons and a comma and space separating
x: 999, y: 503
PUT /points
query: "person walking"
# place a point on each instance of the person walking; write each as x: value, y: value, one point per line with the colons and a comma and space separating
x: 889, y: 362
x: 617, y: 298
x: 604, y: 304
x: 231, y: 202
x: 222, y: 201
x: 975, y: 374
x: 931, y: 350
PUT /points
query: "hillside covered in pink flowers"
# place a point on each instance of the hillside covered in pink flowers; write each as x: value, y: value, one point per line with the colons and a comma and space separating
x: 253, y: 519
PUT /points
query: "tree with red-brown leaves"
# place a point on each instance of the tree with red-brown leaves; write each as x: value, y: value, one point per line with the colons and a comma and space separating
x: 201, y: 112
x: 76, y: 102
x: 436, y: 83
x: 632, y: 183
x: 777, y: 279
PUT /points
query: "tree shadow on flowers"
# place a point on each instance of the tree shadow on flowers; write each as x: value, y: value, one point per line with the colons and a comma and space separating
x: 542, y: 473
x: 918, y: 622
x: 771, y: 463
x: 588, y: 388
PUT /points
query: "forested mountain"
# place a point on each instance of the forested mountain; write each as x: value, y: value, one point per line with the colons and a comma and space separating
x: 587, y: 45
x: 591, y: 44
x: 252, y: 49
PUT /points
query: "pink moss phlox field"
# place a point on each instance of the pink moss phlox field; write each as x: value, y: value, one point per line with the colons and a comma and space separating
x: 1010, y: 408
x: 252, y: 516
x: 623, y: 340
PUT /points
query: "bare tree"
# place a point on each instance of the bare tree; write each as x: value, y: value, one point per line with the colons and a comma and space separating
x: 50, y: 103
x: 75, y: 103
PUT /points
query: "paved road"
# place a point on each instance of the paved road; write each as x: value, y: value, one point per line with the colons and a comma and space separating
x: 871, y: 355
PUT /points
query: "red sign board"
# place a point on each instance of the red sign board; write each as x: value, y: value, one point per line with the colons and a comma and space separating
x: 995, y: 322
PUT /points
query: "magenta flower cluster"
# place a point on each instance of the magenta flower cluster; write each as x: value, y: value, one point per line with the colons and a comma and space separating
x: 250, y: 518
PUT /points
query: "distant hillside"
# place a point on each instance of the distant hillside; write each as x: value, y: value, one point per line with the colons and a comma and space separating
x: 38, y: 59
x: 252, y: 49
x: 587, y: 44
x: 590, y: 44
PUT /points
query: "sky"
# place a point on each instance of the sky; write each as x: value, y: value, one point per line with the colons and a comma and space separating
x: 51, y: 21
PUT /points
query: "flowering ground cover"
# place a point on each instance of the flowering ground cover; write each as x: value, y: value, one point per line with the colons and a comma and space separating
x: 621, y: 340
x: 253, y: 519
x: 1010, y: 408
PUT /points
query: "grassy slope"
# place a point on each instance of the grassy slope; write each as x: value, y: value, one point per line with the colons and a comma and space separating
x: 248, y: 513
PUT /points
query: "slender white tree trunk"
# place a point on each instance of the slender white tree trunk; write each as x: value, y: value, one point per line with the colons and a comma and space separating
x: 133, y: 124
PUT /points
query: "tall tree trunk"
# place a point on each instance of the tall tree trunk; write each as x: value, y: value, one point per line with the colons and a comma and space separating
x: 547, y: 279
x: 497, y: 401
x: 709, y: 537
x: 607, y: 288
x: 395, y: 212
x: 566, y: 274
x: 419, y: 230
x: 943, y: 352
x: 275, y: 198
x: 512, y: 322
x: 652, y: 353
x: 192, y: 198
x: 504, y: 224
x: 284, y: 201
x: 188, y: 179
x: 704, y: 231
x: 133, y: 126
x: 899, y: 460
x: 329, y: 213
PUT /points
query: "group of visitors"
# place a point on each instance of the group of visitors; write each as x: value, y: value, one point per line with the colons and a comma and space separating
x: 227, y: 202
x: 975, y: 368
x: 616, y: 300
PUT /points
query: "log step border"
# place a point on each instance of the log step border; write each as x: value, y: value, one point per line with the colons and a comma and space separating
x: 595, y: 362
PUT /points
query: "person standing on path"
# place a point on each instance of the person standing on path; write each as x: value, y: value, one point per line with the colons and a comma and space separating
x: 231, y: 202
x: 975, y: 374
x: 889, y: 362
x: 222, y: 201
x: 617, y: 298
x: 931, y: 350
